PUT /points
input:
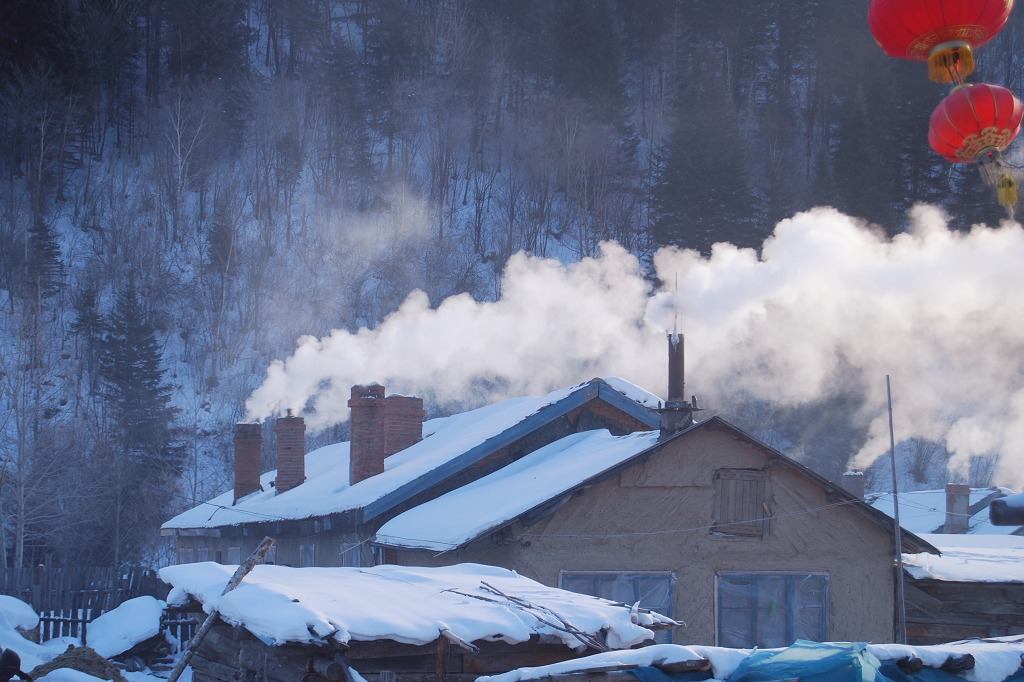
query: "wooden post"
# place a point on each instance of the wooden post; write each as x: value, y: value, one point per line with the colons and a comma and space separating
x: 442, y: 659
x: 243, y: 570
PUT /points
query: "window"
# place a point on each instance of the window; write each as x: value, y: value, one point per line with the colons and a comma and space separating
x: 234, y: 555
x: 351, y: 554
x: 204, y: 554
x: 652, y: 590
x: 186, y: 555
x: 307, y: 555
x: 771, y: 609
x: 740, y: 505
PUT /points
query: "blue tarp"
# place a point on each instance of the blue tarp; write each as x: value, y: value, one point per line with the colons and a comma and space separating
x: 811, y: 662
x: 815, y: 662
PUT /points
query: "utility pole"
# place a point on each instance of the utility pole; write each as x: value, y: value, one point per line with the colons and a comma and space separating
x: 901, y: 610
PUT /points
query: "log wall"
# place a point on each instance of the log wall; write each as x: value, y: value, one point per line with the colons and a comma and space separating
x: 232, y: 654
x: 941, y: 611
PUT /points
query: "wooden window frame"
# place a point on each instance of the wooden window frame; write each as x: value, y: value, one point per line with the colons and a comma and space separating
x: 740, y: 506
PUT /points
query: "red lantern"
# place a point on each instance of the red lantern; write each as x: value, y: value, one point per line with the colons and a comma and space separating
x: 974, y: 124
x: 941, y: 32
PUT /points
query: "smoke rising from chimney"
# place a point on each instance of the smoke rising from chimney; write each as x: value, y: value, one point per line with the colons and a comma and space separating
x: 828, y: 299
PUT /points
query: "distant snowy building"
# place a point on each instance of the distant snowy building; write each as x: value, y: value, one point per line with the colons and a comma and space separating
x: 975, y: 588
x: 956, y: 509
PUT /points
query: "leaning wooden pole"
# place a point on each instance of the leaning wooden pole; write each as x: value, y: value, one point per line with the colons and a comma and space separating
x: 243, y: 570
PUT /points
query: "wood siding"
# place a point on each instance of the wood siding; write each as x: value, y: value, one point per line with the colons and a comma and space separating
x: 944, y: 611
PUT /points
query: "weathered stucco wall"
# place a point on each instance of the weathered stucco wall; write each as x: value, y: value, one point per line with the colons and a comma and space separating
x: 657, y: 516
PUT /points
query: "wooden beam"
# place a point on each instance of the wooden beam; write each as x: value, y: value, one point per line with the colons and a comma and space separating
x: 197, y: 639
x: 458, y: 641
x: 442, y: 659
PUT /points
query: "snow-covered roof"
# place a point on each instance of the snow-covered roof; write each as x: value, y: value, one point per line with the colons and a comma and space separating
x: 411, y: 605
x: 488, y: 503
x: 970, y: 558
x: 924, y: 511
x: 448, y: 444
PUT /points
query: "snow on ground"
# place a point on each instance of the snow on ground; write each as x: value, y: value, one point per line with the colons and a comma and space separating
x: 118, y: 630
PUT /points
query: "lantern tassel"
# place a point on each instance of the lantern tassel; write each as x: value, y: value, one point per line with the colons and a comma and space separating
x: 950, y: 62
x: 1006, y: 190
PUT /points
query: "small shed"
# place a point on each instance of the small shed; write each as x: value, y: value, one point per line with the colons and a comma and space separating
x: 394, y: 623
x: 974, y: 589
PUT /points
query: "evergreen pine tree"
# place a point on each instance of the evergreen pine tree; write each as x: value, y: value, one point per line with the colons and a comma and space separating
x: 130, y: 361
x: 701, y: 192
x: 145, y: 460
x: 44, y: 270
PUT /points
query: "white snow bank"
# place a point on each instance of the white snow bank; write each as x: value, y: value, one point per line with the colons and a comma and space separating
x: 118, y: 630
x: 15, y: 613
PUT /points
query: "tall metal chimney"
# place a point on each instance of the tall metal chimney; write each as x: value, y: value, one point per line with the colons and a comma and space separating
x: 676, y: 371
x: 677, y: 414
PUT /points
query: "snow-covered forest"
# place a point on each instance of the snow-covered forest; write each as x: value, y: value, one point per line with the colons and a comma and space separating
x: 190, y: 185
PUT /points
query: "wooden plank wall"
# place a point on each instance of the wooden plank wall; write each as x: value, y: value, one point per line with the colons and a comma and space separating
x: 229, y: 653
x: 941, y: 611
x: 66, y: 599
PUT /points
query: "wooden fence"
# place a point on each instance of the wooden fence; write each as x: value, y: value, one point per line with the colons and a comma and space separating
x: 68, y: 599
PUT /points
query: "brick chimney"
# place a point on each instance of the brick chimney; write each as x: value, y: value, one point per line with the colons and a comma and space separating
x: 291, y: 452
x: 958, y: 500
x: 380, y: 428
x: 853, y: 483
x: 677, y: 414
x: 248, y: 443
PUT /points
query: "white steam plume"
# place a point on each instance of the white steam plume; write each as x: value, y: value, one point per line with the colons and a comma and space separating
x: 941, y: 312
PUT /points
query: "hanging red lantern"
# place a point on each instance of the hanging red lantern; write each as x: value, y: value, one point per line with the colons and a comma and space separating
x: 941, y: 32
x: 974, y: 124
